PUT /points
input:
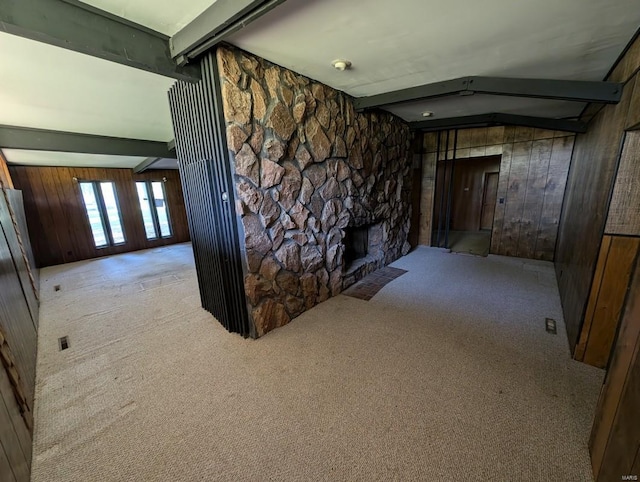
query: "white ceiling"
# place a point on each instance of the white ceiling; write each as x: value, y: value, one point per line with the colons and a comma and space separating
x: 53, y: 88
x: 405, y: 43
x: 68, y: 159
x: 463, y: 105
x: 165, y: 164
x: 392, y: 45
x: 165, y: 16
x: 23, y: 157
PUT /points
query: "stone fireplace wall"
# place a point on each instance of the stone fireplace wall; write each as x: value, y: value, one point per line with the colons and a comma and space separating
x: 307, y: 166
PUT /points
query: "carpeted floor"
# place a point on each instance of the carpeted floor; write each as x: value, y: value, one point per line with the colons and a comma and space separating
x: 446, y: 374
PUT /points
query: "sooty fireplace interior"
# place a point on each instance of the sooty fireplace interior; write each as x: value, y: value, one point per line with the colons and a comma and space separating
x: 356, y: 244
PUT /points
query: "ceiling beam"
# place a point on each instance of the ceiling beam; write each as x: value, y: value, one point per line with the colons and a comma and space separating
x: 571, y: 90
x: 484, y: 120
x: 146, y: 164
x: 76, y: 26
x: 12, y: 137
x: 215, y: 24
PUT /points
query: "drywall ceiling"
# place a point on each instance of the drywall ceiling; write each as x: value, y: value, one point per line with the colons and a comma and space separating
x: 165, y: 164
x: 53, y: 88
x: 392, y: 45
x: 165, y: 16
x: 462, y: 105
x: 68, y: 159
x: 405, y: 43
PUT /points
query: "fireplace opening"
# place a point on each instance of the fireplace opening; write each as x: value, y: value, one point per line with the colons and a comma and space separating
x: 356, y: 245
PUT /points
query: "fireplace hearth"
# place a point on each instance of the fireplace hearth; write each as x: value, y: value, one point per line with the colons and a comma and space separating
x: 356, y: 245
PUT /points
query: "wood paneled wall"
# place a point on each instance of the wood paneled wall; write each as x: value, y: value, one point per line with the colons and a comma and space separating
x: 597, y: 255
x: 58, y: 224
x: 533, y: 173
x: 615, y: 437
x: 590, y: 186
x: 606, y: 300
x: 18, y: 326
x: 624, y: 211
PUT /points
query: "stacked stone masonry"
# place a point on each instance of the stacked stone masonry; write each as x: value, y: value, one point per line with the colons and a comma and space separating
x: 307, y: 166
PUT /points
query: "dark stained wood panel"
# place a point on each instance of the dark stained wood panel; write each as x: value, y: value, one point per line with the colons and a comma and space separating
x: 15, y: 321
x: 553, y: 196
x: 468, y: 190
x: 57, y: 220
x: 489, y: 191
x: 578, y: 353
x: 606, y: 300
x: 18, y: 341
x: 501, y: 195
x: 20, y: 262
x: 427, y: 192
x: 534, y: 197
x: 22, y: 432
x: 515, y: 198
x: 633, y: 117
x: 16, y: 202
x: 624, y: 211
x: 15, y: 439
x: 586, y: 204
x: 615, y: 437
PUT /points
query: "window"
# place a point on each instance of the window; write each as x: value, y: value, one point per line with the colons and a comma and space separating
x: 101, y: 203
x: 155, y: 212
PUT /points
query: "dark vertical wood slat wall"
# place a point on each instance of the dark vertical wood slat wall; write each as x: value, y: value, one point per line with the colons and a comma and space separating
x: 17, y: 351
x: 207, y: 178
x: 58, y: 224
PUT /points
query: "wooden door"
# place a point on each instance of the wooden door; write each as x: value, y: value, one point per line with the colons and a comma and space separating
x: 489, y: 200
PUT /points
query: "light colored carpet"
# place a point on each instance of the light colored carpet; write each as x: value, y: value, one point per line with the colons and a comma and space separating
x: 446, y: 374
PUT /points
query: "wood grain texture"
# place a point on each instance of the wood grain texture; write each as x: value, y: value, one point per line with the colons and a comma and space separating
x: 489, y: 191
x: 16, y: 202
x: 624, y: 210
x: 427, y: 192
x: 58, y: 224
x: 16, y: 324
x: 615, y: 437
x: 553, y: 196
x: 468, y: 187
x: 6, y: 473
x: 534, y: 195
x: 586, y: 204
x: 609, y: 292
x: 633, y: 117
x: 533, y: 172
x: 14, y: 243
x: 5, y: 177
x: 17, y: 357
x: 22, y: 432
x: 15, y: 441
x: 628, y: 65
x: 578, y: 353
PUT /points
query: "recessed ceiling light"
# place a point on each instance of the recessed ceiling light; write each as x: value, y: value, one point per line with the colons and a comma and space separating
x: 427, y: 113
x: 341, y: 64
